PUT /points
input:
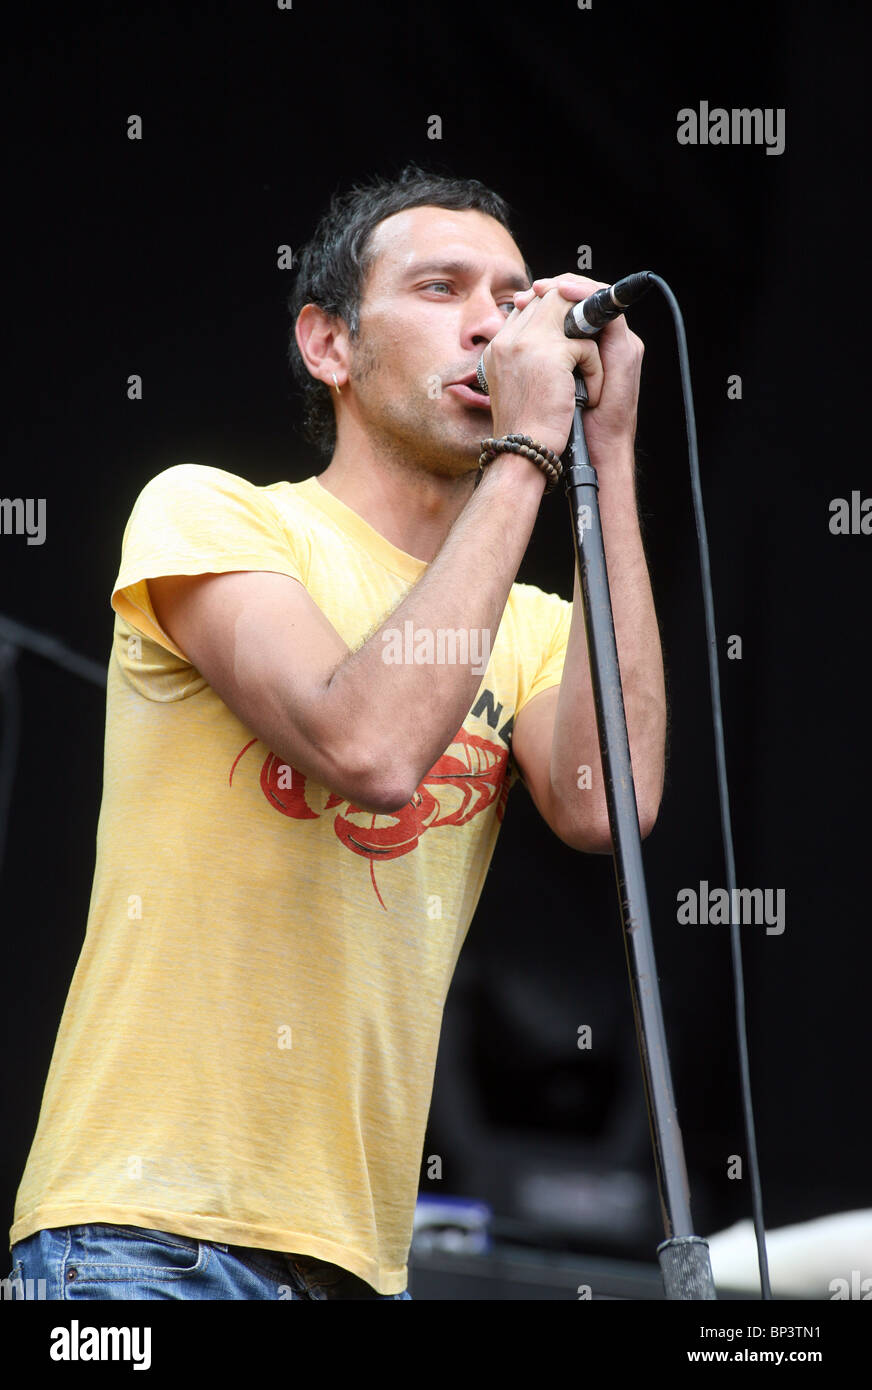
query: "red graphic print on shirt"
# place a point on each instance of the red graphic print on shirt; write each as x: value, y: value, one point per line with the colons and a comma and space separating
x: 469, y: 777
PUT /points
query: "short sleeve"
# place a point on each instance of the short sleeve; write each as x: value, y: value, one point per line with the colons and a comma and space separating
x: 548, y: 622
x: 193, y: 519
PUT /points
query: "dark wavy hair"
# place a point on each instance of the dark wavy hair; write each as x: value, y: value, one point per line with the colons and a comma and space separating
x: 332, y: 267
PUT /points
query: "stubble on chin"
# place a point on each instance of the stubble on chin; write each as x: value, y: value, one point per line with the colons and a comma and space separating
x: 412, y: 430
x: 419, y: 437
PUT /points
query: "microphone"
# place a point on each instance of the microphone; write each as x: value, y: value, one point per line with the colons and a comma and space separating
x: 585, y: 320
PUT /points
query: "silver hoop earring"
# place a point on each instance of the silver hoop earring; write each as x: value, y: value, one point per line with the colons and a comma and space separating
x: 336, y: 384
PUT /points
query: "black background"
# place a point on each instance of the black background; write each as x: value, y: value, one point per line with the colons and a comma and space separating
x: 158, y: 257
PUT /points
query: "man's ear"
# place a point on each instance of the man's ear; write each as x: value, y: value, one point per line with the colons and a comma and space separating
x: 323, y: 343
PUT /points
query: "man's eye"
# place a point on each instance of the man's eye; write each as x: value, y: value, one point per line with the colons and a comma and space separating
x: 435, y: 284
x: 508, y: 305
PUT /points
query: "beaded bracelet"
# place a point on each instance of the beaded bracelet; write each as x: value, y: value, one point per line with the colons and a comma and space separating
x: 544, y: 459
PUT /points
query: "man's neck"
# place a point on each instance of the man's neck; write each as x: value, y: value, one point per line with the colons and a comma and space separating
x: 410, y: 507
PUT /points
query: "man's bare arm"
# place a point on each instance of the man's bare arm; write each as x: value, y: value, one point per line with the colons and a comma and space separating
x: 364, y: 728
x: 555, y: 735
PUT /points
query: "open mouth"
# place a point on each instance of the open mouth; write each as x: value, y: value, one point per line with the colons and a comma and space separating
x: 468, y: 391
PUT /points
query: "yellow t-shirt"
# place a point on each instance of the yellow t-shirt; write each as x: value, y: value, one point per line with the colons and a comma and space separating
x: 247, y: 1050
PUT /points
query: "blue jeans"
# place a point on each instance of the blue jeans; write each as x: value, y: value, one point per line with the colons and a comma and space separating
x: 98, y: 1261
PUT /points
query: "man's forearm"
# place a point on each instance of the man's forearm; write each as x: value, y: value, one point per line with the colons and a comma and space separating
x: 575, y: 742
x: 407, y: 713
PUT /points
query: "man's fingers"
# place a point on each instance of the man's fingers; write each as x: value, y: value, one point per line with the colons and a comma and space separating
x: 523, y: 297
x: 583, y: 352
x: 574, y: 287
x: 591, y: 366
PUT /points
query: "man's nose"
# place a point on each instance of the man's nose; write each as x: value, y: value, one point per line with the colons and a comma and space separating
x: 484, y: 319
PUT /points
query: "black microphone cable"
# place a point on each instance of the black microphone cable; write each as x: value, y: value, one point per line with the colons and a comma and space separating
x: 621, y: 294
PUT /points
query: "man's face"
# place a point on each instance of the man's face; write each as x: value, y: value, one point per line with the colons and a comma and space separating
x: 439, y: 287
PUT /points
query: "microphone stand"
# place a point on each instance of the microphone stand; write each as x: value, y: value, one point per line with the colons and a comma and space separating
x: 684, y: 1257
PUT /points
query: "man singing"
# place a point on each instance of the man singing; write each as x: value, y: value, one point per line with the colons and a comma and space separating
x: 319, y: 696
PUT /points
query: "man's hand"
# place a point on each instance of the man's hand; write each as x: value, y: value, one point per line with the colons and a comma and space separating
x: 611, y: 363
x: 529, y: 365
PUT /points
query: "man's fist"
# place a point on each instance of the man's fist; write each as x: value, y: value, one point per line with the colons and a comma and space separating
x: 529, y: 365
